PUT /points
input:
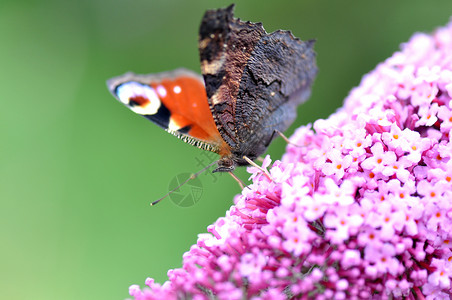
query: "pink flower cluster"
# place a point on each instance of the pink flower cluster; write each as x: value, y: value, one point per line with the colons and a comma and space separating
x: 360, y: 207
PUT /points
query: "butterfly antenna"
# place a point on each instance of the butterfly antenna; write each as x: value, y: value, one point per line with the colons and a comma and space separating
x: 239, y: 181
x: 192, y: 176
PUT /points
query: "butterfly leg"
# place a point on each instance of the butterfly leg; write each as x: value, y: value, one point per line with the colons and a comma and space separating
x: 285, y: 138
x: 260, y: 159
x: 264, y: 170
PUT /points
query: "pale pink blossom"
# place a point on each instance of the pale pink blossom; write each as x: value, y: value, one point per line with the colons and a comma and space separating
x: 359, y: 207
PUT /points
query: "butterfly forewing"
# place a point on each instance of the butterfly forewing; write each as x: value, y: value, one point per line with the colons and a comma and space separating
x: 254, y: 80
x: 176, y: 101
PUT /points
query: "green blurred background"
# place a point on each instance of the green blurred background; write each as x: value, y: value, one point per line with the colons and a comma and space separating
x: 78, y: 170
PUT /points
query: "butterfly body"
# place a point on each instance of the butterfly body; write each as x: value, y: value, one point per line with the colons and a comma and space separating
x: 251, y: 86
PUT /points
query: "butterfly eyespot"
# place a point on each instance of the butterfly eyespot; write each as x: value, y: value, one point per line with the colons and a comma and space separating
x: 142, y: 99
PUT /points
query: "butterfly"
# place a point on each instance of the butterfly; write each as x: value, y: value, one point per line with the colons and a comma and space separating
x: 252, y: 82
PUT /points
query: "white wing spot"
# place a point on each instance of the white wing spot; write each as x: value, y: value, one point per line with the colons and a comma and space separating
x: 161, y: 91
x: 173, y: 125
x: 177, y: 89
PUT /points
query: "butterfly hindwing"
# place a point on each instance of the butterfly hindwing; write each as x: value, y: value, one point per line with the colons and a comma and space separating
x: 276, y: 79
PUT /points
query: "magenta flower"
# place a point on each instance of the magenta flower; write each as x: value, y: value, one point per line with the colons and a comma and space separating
x: 361, y: 209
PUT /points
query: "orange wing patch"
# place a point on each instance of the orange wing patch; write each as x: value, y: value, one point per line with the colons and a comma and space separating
x: 185, y: 97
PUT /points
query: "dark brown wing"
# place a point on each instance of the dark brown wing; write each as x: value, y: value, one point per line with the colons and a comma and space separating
x: 276, y: 79
x: 254, y: 80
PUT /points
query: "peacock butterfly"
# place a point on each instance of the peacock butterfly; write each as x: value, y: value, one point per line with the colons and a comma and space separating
x: 251, y: 86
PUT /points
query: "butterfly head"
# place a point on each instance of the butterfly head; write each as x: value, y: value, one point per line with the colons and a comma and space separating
x: 225, y: 164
